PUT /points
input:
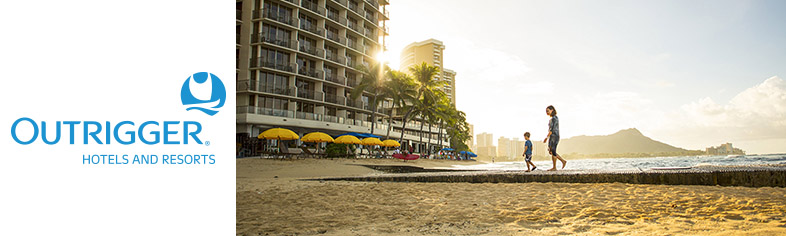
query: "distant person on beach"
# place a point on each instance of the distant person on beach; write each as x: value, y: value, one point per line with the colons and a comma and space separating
x: 528, y: 153
x: 553, y: 138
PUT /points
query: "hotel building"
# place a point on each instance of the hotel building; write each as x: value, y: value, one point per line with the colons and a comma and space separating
x: 297, y: 63
x: 430, y: 51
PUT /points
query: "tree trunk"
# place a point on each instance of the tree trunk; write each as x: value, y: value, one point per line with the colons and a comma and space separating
x: 404, y: 125
x: 428, y: 145
x: 439, y: 136
x: 390, y: 122
x: 421, y: 136
x: 373, y: 112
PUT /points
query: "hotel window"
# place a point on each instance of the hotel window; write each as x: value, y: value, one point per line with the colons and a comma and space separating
x: 275, y: 56
x: 277, y: 10
x: 305, y: 107
x: 276, y: 33
x: 331, y: 111
x: 307, y: 23
x: 273, y: 83
x: 274, y: 103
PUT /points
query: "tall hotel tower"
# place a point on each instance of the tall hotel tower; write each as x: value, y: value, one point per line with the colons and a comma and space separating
x: 296, y: 66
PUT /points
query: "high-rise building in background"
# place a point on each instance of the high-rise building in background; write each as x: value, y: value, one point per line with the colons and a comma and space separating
x: 510, y: 148
x: 485, y: 145
x: 297, y: 63
x: 503, y: 147
x: 430, y: 51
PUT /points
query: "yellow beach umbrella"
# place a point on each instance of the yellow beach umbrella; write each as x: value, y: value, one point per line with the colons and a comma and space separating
x: 371, y: 141
x: 391, y: 143
x: 347, y: 139
x: 317, y: 137
x: 279, y: 134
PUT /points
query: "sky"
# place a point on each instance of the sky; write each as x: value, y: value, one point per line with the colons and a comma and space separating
x: 692, y: 74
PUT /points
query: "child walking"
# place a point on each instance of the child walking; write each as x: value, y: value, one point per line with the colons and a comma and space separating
x: 528, y: 153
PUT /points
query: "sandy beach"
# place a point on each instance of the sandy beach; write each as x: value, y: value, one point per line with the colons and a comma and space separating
x: 271, y: 200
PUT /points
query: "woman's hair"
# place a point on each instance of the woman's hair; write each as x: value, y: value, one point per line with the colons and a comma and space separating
x: 553, y: 111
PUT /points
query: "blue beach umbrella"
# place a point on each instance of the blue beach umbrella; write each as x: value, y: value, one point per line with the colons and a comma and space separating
x: 360, y: 135
x: 448, y: 149
x: 470, y: 154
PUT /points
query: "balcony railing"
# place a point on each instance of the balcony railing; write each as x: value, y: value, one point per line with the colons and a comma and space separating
x: 316, y: 73
x: 253, y: 85
x: 312, y: 28
x: 373, y: 3
x: 335, y: 78
x: 310, y: 94
x: 340, y: 2
x: 308, y: 116
x: 371, y: 33
x: 275, y: 16
x: 262, y: 62
x: 386, y: 14
x: 354, y: 26
x: 352, y: 63
x: 371, y: 17
x: 355, y: 103
x: 336, y: 18
x: 333, y: 119
x: 318, y: 52
x: 313, y: 7
x: 354, y: 8
x: 336, y: 58
x: 356, y: 45
x: 336, y: 38
x: 352, y: 83
x: 283, y: 42
x: 266, y: 111
x: 332, y: 98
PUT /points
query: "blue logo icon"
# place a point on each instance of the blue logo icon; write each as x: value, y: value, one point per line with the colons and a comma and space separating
x: 196, y: 84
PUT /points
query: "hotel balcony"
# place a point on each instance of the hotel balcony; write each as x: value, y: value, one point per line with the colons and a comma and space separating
x: 310, y: 94
x: 337, y: 19
x: 308, y: 116
x: 352, y: 83
x: 262, y: 62
x: 335, y: 99
x: 238, y: 15
x: 371, y: 34
x: 317, y: 52
x: 265, y: 111
x: 336, y: 58
x: 264, y: 38
x: 335, y: 78
x: 312, y: 29
x: 313, y: 7
x: 355, y: 27
x: 255, y: 86
x: 314, y: 73
x: 336, y: 38
x: 276, y: 17
x: 373, y: 3
x: 356, y: 46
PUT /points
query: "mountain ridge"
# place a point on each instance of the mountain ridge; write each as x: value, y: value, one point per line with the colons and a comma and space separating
x: 624, y: 141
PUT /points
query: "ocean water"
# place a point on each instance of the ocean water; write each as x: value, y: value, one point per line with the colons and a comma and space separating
x: 638, y: 163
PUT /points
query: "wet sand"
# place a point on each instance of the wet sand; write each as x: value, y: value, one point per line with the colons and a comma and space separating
x: 272, y: 201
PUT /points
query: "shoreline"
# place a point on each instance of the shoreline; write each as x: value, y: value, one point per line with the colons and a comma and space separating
x: 272, y: 200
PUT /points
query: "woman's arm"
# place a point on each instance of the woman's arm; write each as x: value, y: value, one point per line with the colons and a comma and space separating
x: 547, y: 137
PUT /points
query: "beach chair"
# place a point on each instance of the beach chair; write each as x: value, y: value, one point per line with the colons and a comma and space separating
x: 307, y: 152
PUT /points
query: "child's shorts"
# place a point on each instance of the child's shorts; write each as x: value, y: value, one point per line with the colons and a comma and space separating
x: 528, y: 157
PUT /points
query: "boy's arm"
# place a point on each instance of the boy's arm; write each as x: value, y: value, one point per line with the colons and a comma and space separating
x: 525, y: 150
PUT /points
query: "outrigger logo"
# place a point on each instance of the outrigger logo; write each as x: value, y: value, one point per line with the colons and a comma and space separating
x: 193, y: 95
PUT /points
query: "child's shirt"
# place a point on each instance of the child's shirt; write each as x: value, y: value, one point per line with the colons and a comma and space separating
x: 528, y: 144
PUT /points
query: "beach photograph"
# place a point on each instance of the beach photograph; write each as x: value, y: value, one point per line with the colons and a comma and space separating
x: 503, y: 117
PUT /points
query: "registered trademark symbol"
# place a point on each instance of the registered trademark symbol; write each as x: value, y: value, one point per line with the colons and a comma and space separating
x: 207, y: 143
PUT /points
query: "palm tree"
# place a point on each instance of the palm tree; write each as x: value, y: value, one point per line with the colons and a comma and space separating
x: 445, y: 114
x: 400, y: 88
x: 426, y: 87
x: 372, y: 81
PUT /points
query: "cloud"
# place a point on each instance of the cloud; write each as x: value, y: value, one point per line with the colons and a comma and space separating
x: 757, y: 114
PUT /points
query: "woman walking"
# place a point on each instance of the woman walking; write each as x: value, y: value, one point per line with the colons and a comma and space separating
x: 553, y: 138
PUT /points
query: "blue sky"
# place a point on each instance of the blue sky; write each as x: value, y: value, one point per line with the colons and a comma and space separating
x: 610, y: 65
